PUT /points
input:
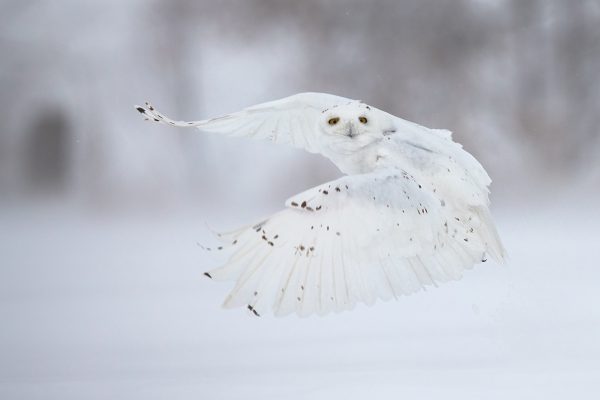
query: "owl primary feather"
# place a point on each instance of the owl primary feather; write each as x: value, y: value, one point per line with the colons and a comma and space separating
x: 411, y: 211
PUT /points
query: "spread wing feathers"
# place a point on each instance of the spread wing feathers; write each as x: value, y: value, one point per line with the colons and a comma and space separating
x: 291, y: 120
x: 356, y: 239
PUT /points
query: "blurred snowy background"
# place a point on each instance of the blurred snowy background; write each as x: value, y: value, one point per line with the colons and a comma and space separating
x: 101, y: 293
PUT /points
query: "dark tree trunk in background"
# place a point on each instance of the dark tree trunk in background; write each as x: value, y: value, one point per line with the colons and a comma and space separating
x: 47, y: 152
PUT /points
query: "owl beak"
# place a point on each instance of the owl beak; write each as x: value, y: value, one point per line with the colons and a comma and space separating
x: 351, y: 130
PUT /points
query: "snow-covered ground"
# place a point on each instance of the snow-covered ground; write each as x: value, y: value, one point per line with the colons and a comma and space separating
x: 96, y: 307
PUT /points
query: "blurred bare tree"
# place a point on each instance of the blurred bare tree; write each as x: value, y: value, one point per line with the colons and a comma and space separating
x: 46, y: 151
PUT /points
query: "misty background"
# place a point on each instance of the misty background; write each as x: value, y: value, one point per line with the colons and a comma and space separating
x: 100, y: 212
x: 516, y: 81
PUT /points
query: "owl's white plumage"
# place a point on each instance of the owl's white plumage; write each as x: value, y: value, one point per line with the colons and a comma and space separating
x: 411, y: 212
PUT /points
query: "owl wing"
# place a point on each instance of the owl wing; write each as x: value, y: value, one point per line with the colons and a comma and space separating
x: 464, y: 171
x: 355, y: 239
x: 291, y: 120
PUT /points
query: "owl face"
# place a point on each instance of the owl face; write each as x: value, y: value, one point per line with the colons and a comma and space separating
x: 350, y: 120
x: 350, y: 126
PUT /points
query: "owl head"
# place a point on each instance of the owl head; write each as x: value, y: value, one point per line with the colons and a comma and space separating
x: 351, y: 126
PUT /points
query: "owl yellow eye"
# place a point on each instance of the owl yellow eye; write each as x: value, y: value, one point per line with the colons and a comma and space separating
x: 333, y: 121
x: 363, y: 120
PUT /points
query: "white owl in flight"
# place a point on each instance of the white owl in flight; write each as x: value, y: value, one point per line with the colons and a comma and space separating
x: 412, y: 210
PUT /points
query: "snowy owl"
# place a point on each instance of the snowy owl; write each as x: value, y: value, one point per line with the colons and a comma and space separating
x: 411, y: 210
